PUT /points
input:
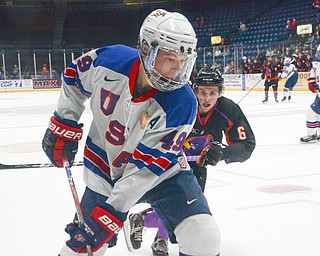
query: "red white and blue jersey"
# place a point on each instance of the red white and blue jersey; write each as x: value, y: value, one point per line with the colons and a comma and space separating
x: 133, y: 144
x: 315, y: 73
x: 288, y: 70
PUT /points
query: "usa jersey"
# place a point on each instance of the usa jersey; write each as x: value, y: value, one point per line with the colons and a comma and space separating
x: 288, y: 70
x: 133, y: 144
x: 315, y: 73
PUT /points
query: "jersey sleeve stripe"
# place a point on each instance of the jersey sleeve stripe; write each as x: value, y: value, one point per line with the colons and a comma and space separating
x: 97, y: 150
x: 95, y: 169
x: 149, y: 159
x: 152, y: 159
x: 152, y: 167
x: 96, y: 160
x: 71, y: 78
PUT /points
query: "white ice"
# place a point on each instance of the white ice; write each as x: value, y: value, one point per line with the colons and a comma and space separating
x: 267, y: 206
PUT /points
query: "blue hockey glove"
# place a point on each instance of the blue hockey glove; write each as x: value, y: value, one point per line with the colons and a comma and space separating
x: 98, y: 229
x: 212, y: 154
x: 61, y: 140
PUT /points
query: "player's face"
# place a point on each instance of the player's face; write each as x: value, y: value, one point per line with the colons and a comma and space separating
x: 169, y: 63
x: 207, y: 97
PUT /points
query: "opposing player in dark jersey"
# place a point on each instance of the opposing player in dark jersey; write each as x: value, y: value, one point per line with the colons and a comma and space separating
x: 271, y: 76
x: 217, y: 117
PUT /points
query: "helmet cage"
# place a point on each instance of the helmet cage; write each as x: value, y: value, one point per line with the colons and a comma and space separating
x: 161, y: 82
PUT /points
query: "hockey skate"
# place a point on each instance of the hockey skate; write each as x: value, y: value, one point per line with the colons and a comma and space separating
x: 160, y: 246
x: 276, y: 99
x: 136, y: 227
x: 265, y: 100
x: 283, y: 99
x: 310, y: 139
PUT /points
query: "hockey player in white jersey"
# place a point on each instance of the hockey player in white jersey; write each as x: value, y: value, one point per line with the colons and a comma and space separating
x: 143, y: 110
x: 313, y: 113
x: 290, y: 72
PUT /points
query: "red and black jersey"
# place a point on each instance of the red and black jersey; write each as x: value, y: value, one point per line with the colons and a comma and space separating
x: 270, y: 71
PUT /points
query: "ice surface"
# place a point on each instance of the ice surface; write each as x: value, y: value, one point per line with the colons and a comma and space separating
x: 267, y: 206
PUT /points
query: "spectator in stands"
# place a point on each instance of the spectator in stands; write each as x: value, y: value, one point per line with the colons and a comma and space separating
x: 261, y: 58
x: 216, y: 65
x: 206, y: 67
x: 273, y: 52
x: 44, y: 71
x: 232, y: 67
x: 15, y: 72
x: 308, y: 63
x: 317, y: 33
x: 199, y: 22
x: 54, y: 73
x: 242, y: 27
x: 302, y: 39
x: 288, y: 52
x: 227, y: 69
x: 288, y: 28
x: 296, y: 53
x: 278, y: 52
x: 279, y: 63
x: 293, y: 26
x: 247, y: 66
x: 316, y: 6
x: 256, y: 67
x: 268, y: 52
x: 300, y: 63
x: 2, y: 76
x: 217, y: 52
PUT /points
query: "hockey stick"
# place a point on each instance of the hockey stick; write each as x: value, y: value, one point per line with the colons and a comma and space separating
x: 27, y: 166
x: 47, y: 165
x: 192, y: 158
x: 249, y: 91
x: 75, y: 198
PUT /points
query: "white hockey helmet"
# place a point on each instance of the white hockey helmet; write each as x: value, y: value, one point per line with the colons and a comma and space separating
x: 318, y: 48
x: 170, y: 33
x: 287, y: 60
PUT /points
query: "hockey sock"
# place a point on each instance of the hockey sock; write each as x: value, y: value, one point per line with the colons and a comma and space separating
x: 152, y: 220
x: 275, y: 94
x: 266, y: 94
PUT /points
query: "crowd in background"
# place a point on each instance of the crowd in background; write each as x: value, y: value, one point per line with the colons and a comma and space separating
x: 302, y: 60
x: 298, y: 47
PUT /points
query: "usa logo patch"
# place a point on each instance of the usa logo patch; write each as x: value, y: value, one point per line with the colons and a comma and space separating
x: 145, y: 116
x: 182, y: 162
